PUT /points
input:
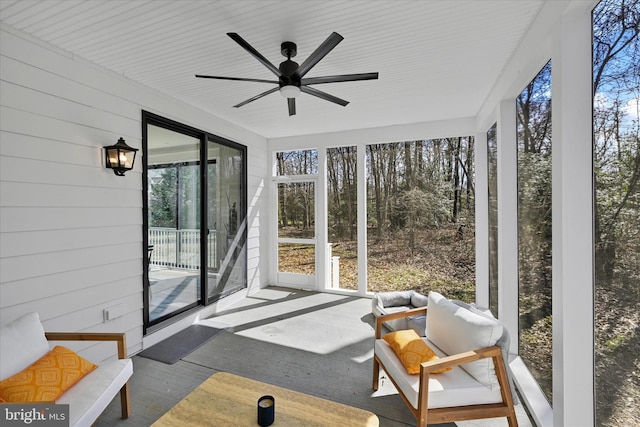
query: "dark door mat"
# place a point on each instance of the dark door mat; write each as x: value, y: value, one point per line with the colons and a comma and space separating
x: 180, y: 345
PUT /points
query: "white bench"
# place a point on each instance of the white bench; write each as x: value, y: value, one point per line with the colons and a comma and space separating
x: 465, y: 339
x: 23, y: 342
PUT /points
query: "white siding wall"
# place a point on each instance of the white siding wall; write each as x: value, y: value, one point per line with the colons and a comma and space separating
x: 70, y: 230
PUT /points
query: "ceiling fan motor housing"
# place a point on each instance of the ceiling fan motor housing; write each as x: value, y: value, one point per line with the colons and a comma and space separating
x: 289, y: 68
x: 289, y: 75
x: 289, y: 49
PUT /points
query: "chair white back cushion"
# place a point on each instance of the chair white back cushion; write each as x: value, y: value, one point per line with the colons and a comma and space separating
x: 419, y: 300
x: 454, y: 329
x: 22, y: 342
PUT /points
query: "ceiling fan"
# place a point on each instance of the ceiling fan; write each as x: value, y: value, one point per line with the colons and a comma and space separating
x: 291, y: 80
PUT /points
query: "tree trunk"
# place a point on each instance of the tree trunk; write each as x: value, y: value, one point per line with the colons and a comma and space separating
x: 456, y: 180
x: 347, y: 179
x: 374, y: 154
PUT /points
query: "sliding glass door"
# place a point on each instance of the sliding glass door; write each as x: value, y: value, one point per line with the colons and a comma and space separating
x: 173, y: 194
x: 227, y: 226
x: 194, y: 221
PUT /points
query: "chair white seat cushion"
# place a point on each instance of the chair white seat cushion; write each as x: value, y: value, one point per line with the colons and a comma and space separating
x: 452, y: 388
x: 93, y: 393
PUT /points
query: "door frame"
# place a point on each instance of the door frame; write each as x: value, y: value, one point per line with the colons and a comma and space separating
x: 204, y: 137
x: 295, y: 280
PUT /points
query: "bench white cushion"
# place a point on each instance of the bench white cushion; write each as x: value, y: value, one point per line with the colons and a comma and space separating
x: 452, y: 388
x: 91, y: 395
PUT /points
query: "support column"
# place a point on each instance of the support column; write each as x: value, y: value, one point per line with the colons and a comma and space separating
x: 482, y: 220
x: 361, y: 174
x: 323, y: 258
x: 573, y: 360
x: 508, y: 220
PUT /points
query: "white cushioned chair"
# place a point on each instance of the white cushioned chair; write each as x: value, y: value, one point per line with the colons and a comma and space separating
x: 384, y: 303
x: 24, y: 341
x: 466, y: 340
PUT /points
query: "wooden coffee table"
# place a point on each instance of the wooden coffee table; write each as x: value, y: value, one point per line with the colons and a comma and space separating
x: 229, y: 400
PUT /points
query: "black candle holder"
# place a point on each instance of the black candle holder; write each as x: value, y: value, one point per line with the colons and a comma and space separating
x: 266, y: 411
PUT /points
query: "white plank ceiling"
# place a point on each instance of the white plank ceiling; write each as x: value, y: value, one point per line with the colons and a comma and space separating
x: 436, y: 59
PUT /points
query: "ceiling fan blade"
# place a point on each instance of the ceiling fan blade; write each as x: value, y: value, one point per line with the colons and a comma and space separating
x: 340, y: 78
x: 322, y: 50
x: 323, y: 95
x: 292, y: 106
x: 255, y: 53
x: 236, y: 78
x: 275, y: 89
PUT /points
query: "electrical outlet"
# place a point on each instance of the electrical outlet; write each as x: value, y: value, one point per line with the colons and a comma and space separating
x: 113, y: 312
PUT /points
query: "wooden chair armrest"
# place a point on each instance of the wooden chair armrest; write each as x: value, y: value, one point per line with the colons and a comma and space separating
x: 392, y: 316
x: 460, y: 358
x: 119, y: 337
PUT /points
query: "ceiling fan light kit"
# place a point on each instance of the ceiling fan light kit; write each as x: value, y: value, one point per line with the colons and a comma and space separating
x: 290, y: 75
x: 290, y: 91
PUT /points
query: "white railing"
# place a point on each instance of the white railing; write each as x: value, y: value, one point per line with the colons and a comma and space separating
x: 180, y: 249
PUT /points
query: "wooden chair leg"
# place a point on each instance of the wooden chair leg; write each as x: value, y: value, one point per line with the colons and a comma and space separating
x: 376, y: 373
x: 124, y: 401
x: 423, y: 399
x: 505, y: 389
x: 422, y: 420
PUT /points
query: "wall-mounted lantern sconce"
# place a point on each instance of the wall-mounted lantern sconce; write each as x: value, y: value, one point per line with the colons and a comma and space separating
x: 120, y: 157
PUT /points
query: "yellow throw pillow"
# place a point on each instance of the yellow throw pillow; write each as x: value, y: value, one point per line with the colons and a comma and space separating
x: 411, y: 350
x: 47, y: 378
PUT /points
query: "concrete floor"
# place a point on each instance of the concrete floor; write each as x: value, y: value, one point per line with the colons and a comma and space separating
x: 172, y: 290
x: 317, y: 343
